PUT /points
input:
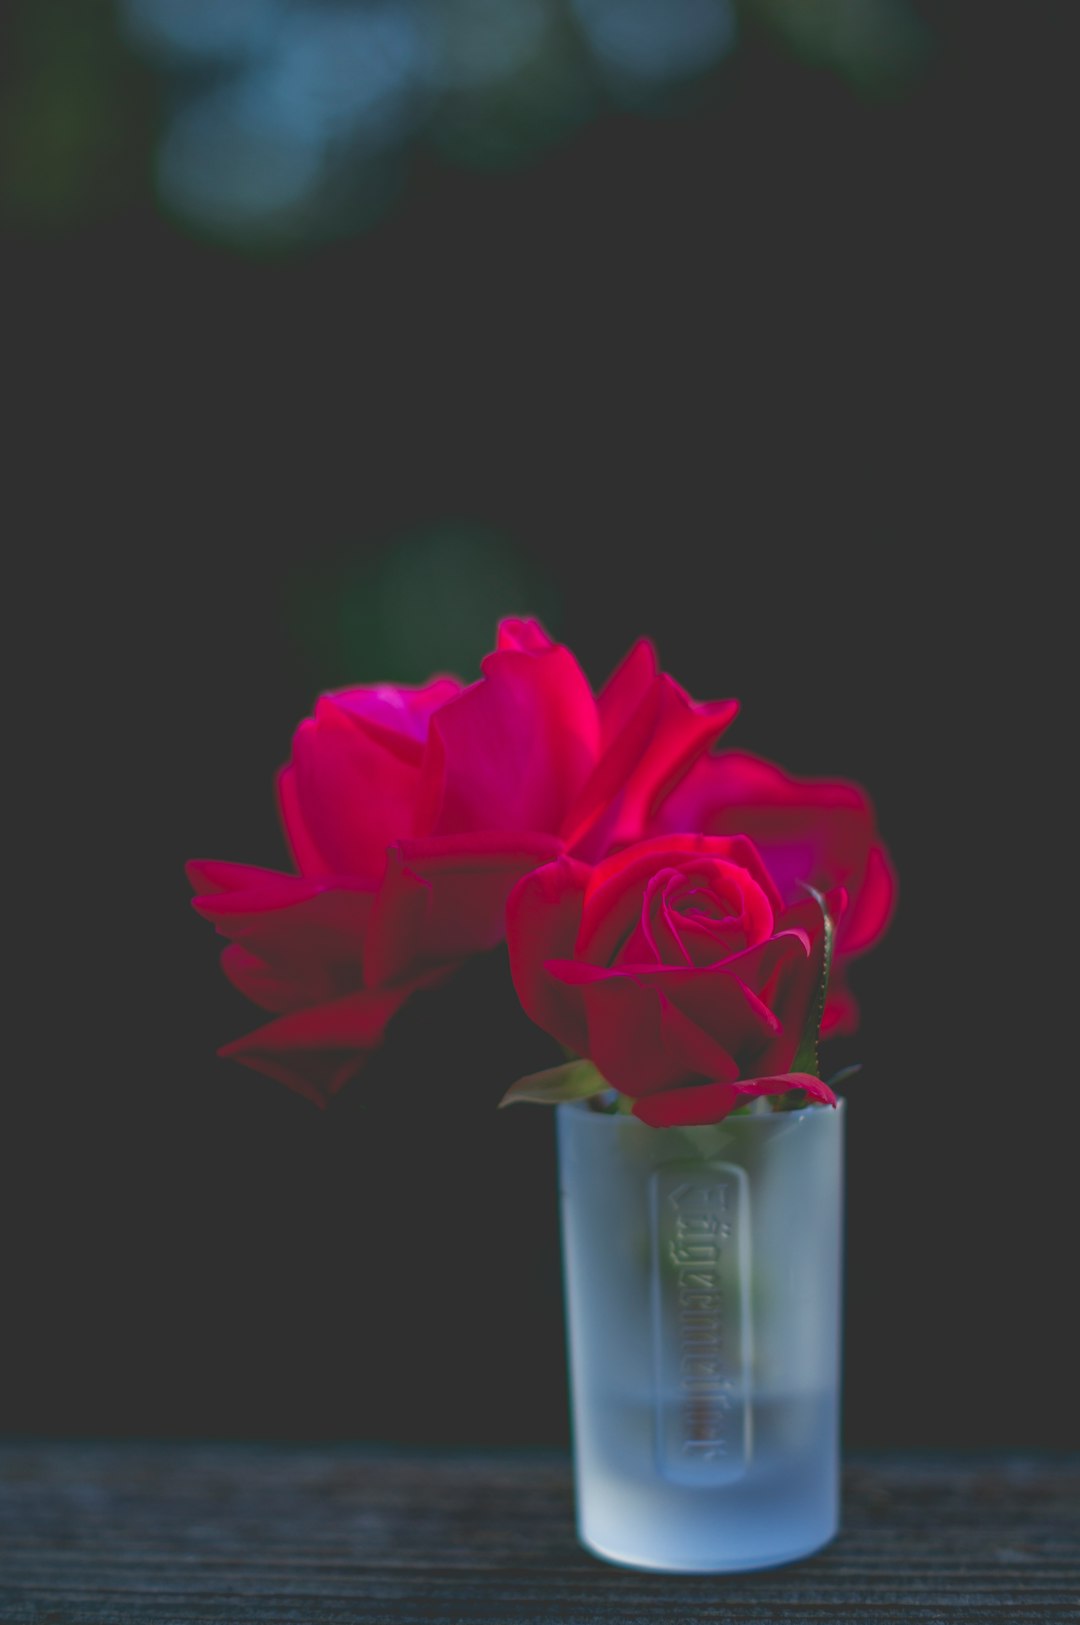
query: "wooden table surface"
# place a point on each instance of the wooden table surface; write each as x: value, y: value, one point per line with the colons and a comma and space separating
x: 176, y: 1534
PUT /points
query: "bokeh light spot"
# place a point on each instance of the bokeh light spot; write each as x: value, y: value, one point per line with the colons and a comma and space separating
x: 657, y: 39
x: 339, y: 72
x: 228, y: 160
x: 479, y: 42
x: 201, y: 28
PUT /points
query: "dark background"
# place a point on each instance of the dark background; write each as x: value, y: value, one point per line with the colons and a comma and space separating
x: 762, y: 364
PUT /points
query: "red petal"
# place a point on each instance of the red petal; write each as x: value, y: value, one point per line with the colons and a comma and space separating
x: 627, y: 1039
x: 631, y: 683
x: 736, y: 790
x: 682, y: 731
x: 317, y: 1051
x: 240, y: 888
x: 688, y: 1108
x: 820, y: 831
x: 614, y: 898
x: 398, y: 717
x: 525, y: 634
x: 638, y: 1039
x: 841, y: 1015
x: 268, y: 988
x: 721, y: 1005
x: 542, y: 920
x: 305, y: 853
x: 707, y: 1103
x: 512, y: 752
x: 789, y: 985
x: 702, y: 1054
x: 444, y: 898
x: 635, y: 863
x: 301, y: 940
x: 627, y: 709
x: 782, y: 1083
x: 209, y: 875
x: 353, y: 795
x: 872, y: 904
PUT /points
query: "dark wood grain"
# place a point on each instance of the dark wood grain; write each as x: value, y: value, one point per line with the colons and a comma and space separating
x: 178, y: 1534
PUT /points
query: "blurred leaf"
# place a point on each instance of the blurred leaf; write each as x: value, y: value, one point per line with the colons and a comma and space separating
x: 879, y: 46
x: 575, y: 1080
x: 74, y: 124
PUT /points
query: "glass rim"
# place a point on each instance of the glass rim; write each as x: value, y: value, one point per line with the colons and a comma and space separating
x: 582, y: 1109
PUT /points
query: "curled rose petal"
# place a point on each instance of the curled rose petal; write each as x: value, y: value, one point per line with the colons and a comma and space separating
x: 784, y: 1082
x: 712, y: 1102
x: 614, y: 896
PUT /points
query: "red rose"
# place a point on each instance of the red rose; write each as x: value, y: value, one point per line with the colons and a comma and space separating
x: 528, y: 749
x: 817, y: 831
x: 411, y: 814
x: 676, y: 967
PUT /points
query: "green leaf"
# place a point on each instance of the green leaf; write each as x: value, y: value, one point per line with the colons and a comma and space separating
x: 577, y: 1080
x: 806, y: 1056
x: 844, y: 1074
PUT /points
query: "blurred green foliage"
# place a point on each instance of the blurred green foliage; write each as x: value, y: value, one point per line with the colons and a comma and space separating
x: 76, y: 119
x: 427, y: 603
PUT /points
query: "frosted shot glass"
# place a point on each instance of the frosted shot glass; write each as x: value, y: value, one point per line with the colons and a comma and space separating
x: 702, y: 1272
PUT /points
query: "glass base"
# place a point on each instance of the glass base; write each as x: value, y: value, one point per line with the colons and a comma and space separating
x: 714, y: 1565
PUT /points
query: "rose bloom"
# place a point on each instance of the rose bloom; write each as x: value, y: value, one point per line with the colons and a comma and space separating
x: 412, y: 812
x: 677, y: 968
x: 821, y: 832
